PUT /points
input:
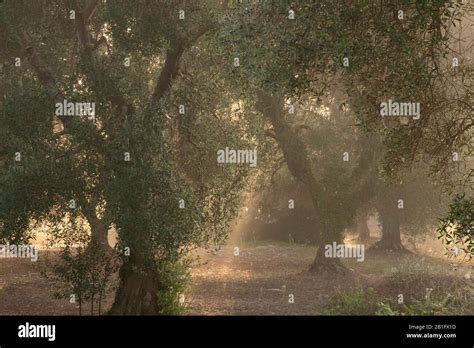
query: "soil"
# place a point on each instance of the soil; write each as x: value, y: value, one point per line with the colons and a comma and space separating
x: 270, y: 279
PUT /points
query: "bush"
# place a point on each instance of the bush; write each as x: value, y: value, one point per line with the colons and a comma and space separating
x: 83, y: 272
x: 371, y: 302
x: 172, y: 289
x: 360, y: 302
x: 457, y: 228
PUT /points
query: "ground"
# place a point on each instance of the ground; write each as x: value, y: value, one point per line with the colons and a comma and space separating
x: 260, y: 280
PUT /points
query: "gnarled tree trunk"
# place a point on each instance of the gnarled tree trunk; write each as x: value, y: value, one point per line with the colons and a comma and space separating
x: 299, y: 163
x: 99, y: 234
x: 137, y: 293
x: 323, y: 264
x: 391, y: 237
x: 390, y: 219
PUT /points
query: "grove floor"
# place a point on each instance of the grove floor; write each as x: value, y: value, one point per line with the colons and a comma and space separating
x: 262, y: 279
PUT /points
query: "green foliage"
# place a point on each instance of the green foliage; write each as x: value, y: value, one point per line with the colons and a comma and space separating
x: 173, y: 155
x: 457, y: 228
x: 83, y: 270
x: 370, y: 302
x: 359, y: 302
x: 173, y: 287
x: 427, y: 287
x: 417, y: 307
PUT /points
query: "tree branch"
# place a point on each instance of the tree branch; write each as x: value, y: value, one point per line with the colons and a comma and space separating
x: 81, y: 26
x: 124, y: 106
x: 173, y: 56
x: 44, y: 75
x: 270, y: 133
x: 90, y: 9
x: 281, y: 162
x: 303, y: 126
x: 169, y: 71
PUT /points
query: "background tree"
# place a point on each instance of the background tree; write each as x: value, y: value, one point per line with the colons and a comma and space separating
x: 328, y: 48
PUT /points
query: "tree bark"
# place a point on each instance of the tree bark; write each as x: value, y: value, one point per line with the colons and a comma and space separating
x: 326, y: 265
x: 137, y: 293
x: 99, y: 234
x: 169, y: 72
x: 362, y: 228
x: 389, y: 216
x: 391, y: 237
x: 298, y: 160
